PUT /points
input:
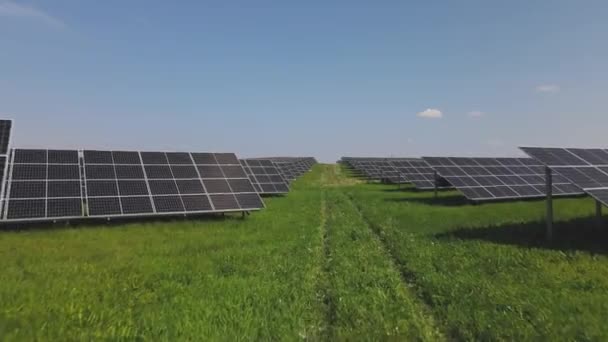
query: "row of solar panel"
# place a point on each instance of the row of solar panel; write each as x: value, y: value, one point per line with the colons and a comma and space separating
x: 53, y: 184
x: 273, y: 175
x: 44, y: 156
x: 64, y: 208
x: 49, y: 184
x: 293, y: 168
x: 575, y: 170
x: 478, y: 179
x: 585, y: 168
x: 396, y: 170
x: 109, y: 171
x: 44, y: 184
x: 35, y: 164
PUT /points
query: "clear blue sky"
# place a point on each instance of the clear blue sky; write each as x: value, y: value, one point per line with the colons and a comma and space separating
x: 320, y: 78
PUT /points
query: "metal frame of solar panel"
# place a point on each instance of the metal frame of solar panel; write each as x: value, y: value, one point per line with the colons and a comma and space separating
x: 56, y: 184
x: 587, y: 168
x: 265, y: 177
x: 488, y: 179
x: 6, y: 126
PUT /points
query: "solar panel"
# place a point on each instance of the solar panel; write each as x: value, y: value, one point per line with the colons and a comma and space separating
x: 483, y: 179
x: 265, y: 176
x: 585, y: 168
x: 5, y: 140
x: 115, y: 184
x: 5, y: 136
x: 44, y: 184
x: 51, y: 184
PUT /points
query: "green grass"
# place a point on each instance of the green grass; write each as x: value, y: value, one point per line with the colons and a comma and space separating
x: 486, y: 270
x: 226, y: 279
x: 367, y: 295
x: 336, y: 259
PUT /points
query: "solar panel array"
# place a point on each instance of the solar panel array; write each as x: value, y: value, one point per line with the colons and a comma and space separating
x: 265, y: 176
x: 483, y: 179
x: 396, y: 170
x: 45, y: 184
x: 291, y: 168
x: 376, y: 168
x: 60, y: 184
x: 367, y: 167
x: 585, y: 168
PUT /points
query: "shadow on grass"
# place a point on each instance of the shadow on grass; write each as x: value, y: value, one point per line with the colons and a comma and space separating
x: 446, y: 201
x: 353, y: 173
x: 402, y: 189
x: 85, y: 223
x: 412, y: 189
x: 271, y: 195
x: 583, y: 234
x: 356, y: 175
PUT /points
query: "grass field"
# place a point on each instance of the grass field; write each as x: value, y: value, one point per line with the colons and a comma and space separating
x: 336, y: 259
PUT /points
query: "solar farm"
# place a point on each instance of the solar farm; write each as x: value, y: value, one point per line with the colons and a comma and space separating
x: 122, y: 244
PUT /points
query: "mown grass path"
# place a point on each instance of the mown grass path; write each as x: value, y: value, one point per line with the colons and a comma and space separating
x: 336, y: 259
x: 366, y: 298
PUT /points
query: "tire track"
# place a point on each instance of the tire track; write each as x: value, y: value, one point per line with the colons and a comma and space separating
x: 408, y: 277
x: 324, y: 284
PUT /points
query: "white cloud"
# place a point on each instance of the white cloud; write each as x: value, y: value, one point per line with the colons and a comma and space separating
x: 475, y: 114
x: 13, y: 9
x: 547, y: 88
x: 431, y: 113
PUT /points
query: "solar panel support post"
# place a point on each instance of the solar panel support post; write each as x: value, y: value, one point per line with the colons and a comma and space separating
x: 435, y: 177
x: 549, y: 218
x: 598, y: 213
